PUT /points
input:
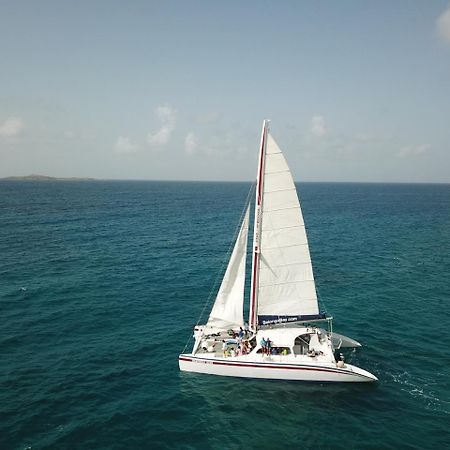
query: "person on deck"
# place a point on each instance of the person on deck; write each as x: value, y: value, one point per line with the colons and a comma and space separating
x: 268, y: 346
x: 263, y: 345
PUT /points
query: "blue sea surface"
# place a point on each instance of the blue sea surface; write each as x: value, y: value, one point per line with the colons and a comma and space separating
x: 102, y: 282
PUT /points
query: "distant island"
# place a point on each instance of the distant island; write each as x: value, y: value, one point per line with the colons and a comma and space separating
x: 45, y: 178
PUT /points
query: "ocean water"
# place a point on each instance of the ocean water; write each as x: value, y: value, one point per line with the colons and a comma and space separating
x: 102, y: 282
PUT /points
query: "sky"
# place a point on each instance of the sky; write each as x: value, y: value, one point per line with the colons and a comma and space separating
x: 178, y: 90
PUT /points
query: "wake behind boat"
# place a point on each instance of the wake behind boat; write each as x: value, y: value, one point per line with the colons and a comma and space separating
x: 284, y: 338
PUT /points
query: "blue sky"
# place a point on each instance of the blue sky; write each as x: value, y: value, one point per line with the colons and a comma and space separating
x: 356, y: 91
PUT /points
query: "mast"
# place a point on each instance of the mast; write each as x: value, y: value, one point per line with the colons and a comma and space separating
x: 253, y: 316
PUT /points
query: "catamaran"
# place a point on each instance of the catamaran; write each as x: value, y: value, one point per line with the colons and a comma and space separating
x: 284, y: 337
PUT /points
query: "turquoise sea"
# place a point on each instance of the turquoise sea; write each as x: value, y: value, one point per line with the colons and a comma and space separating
x: 101, y: 284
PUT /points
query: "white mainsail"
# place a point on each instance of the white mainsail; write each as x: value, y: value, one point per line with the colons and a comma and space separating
x: 285, y: 282
x: 227, y: 311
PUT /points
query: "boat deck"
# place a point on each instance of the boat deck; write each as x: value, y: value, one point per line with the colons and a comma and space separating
x: 211, y: 348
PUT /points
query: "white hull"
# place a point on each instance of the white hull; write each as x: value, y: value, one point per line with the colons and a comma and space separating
x: 266, y: 368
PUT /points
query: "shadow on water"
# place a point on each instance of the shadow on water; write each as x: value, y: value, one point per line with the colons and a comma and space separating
x: 253, y: 407
x: 236, y: 393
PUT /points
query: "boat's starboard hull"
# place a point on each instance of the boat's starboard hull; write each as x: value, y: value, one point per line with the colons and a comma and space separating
x: 275, y: 371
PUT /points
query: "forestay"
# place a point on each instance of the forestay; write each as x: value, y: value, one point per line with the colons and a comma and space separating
x: 227, y: 311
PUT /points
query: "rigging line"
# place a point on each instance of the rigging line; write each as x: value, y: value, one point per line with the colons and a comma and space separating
x: 285, y: 208
x: 187, y: 343
x: 318, y: 296
x: 320, y: 299
x: 273, y: 191
x: 287, y: 228
x: 286, y: 283
x: 273, y: 266
x: 228, y: 253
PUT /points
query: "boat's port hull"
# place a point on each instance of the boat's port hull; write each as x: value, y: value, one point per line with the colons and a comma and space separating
x: 275, y: 371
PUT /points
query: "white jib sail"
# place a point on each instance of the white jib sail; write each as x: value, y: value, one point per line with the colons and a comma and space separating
x: 286, y: 282
x: 227, y: 311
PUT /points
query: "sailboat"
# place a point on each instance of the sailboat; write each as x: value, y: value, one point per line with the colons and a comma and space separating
x: 286, y: 336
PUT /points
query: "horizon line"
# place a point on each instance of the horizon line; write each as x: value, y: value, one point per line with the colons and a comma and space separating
x: 86, y: 178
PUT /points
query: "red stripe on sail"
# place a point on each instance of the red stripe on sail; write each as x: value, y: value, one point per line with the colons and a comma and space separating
x: 256, y: 249
x: 255, y: 256
x: 261, y: 165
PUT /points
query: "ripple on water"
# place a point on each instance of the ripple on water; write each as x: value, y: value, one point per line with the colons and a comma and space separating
x: 115, y: 275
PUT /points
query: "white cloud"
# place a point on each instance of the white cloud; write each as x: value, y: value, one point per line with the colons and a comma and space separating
x: 220, y: 145
x: 443, y: 25
x: 167, y: 117
x: 226, y: 145
x: 69, y: 135
x: 11, y: 127
x: 191, y: 143
x: 208, y: 118
x: 358, y: 146
x: 318, y: 126
x: 404, y: 152
x: 125, y: 145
